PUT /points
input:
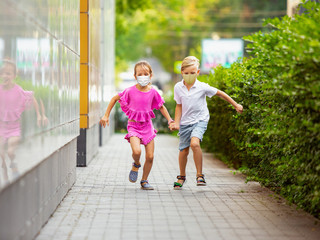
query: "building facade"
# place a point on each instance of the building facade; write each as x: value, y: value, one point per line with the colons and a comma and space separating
x: 51, y: 91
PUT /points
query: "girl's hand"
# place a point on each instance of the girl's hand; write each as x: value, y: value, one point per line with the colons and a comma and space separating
x: 170, y: 122
x: 104, y: 120
x: 239, y: 108
x: 39, y: 120
x: 45, y: 121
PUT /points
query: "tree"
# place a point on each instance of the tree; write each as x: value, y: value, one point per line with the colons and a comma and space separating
x: 173, y: 29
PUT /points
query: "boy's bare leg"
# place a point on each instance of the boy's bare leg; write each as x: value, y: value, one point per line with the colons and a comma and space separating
x: 197, y: 154
x: 183, y: 158
x: 149, y: 160
x: 136, y: 151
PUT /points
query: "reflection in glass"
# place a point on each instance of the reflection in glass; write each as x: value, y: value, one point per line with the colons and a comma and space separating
x: 14, y: 100
x: 39, y: 98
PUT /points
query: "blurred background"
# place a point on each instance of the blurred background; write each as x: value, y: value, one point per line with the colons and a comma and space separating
x: 165, y: 32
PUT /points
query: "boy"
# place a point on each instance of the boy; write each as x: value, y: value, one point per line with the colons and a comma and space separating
x: 192, y: 116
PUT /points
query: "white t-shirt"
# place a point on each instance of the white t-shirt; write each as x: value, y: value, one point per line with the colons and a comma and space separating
x: 194, y: 104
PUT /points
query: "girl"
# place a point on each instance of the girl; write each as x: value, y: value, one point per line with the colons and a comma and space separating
x: 192, y: 116
x: 138, y: 102
x: 13, y: 102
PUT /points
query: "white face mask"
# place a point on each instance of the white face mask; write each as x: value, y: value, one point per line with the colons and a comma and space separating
x: 143, y: 80
x: 189, y: 78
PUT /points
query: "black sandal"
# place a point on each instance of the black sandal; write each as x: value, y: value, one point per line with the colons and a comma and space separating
x: 178, y: 185
x: 200, y: 180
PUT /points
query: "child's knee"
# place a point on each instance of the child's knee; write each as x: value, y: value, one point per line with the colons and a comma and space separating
x: 149, y: 157
x: 195, y: 145
x: 11, y: 154
x: 136, y: 151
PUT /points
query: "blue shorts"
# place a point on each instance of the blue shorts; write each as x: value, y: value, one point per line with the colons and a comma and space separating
x: 186, y: 132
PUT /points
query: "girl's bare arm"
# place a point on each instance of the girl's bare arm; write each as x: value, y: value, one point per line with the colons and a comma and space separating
x: 177, y: 118
x: 165, y: 113
x: 36, y: 107
x: 105, y: 119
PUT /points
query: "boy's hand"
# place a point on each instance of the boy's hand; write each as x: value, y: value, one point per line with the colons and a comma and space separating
x: 104, y: 120
x: 174, y: 126
x: 239, y: 108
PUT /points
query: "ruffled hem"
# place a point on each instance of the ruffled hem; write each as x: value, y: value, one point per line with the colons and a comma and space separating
x: 135, y: 115
x: 129, y: 135
x: 10, y: 116
x: 150, y: 138
x: 159, y: 105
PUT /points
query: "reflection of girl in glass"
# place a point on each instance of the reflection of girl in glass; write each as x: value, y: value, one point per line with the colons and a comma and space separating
x: 13, y: 102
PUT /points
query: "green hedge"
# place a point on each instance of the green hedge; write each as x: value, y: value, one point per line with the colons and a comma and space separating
x: 276, y: 141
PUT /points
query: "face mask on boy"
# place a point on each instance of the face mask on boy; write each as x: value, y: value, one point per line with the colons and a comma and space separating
x: 189, y: 78
x: 143, y: 80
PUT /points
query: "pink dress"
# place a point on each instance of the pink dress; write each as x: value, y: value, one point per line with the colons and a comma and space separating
x: 138, y: 106
x: 12, y: 104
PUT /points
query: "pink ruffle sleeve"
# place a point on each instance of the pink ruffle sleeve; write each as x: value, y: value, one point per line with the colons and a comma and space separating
x: 157, y: 101
x: 26, y: 99
x: 124, y: 101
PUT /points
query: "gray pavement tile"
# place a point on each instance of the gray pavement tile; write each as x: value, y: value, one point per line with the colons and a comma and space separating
x: 78, y: 237
x: 245, y: 237
x: 45, y: 236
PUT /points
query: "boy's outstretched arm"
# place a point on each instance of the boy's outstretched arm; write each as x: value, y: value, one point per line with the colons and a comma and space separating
x: 165, y: 113
x: 177, y: 117
x: 226, y: 97
x: 105, y: 119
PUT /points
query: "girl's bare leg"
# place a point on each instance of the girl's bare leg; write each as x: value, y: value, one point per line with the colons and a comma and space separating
x: 2, y: 150
x: 136, y: 151
x: 197, y: 154
x: 149, y: 160
x: 4, y: 169
x: 12, y: 146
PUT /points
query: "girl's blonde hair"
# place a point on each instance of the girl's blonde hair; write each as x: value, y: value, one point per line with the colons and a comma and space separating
x: 145, y: 65
x: 11, y: 63
x: 190, y: 61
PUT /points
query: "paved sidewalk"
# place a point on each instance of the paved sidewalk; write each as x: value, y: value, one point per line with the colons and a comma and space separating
x: 103, y: 204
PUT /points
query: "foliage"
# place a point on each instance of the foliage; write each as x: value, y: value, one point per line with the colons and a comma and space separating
x: 277, y: 139
x: 160, y: 122
x: 173, y: 29
x: 130, y: 31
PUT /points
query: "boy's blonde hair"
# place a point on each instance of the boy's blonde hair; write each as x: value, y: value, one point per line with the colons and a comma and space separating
x: 190, y: 61
x: 145, y: 65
